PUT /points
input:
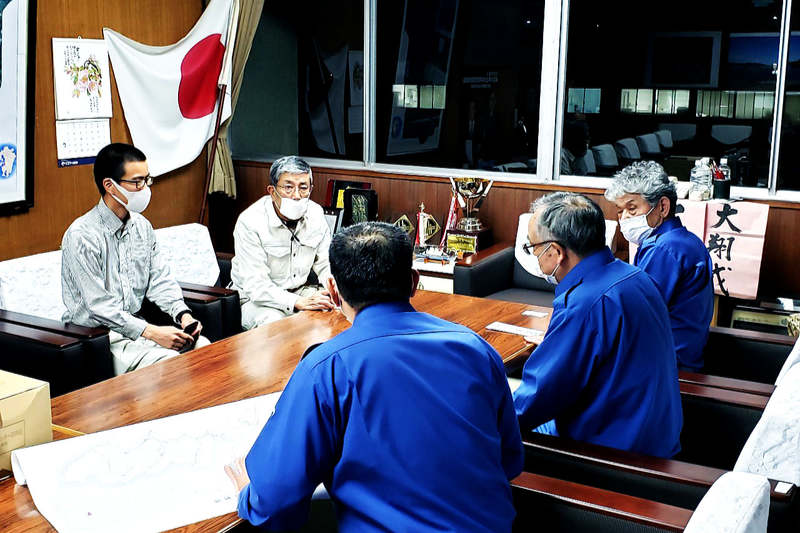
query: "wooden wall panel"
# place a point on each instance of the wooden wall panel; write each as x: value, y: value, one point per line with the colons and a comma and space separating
x: 399, y: 194
x: 63, y: 194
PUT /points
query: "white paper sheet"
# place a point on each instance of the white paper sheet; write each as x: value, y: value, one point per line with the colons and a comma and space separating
x: 152, y: 476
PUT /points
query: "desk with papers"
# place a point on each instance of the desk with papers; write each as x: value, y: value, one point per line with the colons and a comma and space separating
x: 250, y: 364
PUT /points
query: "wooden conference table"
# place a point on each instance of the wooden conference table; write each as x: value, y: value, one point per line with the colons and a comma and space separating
x: 253, y: 363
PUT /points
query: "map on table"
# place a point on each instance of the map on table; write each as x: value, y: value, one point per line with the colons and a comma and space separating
x: 151, y: 476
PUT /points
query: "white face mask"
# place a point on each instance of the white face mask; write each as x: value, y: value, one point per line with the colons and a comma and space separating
x: 533, y: 266
x: 636, y: 229
x: 137, y: 200
x: 293, y: 209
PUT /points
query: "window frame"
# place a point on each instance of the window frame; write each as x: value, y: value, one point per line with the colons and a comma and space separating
x: 552, y: 100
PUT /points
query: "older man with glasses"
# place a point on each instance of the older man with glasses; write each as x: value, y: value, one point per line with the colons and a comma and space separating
x: 278, y: 241
x: 605, y: 371
x: 675, y: 258
x: 111, y: 262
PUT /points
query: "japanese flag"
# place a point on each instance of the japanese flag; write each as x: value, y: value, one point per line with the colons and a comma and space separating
x: 169, y: 93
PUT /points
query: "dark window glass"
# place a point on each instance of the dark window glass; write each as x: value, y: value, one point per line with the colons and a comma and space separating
x: 695, y: 81
x: 302, y: 91
x: 789, y: 167
x: 458, y: 83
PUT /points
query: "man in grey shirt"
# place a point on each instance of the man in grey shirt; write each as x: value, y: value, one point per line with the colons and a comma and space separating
x: 111, y: 262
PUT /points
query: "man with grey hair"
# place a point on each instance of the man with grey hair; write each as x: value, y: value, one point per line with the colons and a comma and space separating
x: 675, y: 259
x: 278, y: 241
x: 605, y: 370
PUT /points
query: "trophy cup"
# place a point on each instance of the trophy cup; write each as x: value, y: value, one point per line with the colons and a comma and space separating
x: 469, y: 234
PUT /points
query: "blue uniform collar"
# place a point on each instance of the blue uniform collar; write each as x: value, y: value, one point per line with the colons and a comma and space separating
x: 587, y: 265
x: 379, y: 310
x: 666, y: 226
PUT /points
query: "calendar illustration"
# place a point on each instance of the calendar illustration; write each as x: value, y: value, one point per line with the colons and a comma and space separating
x: 81, y: 78
x: 80, y: 140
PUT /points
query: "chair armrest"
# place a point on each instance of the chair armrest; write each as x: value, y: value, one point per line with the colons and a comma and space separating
x: 208, y: 310
x: 53, y: 326
x: 483, y: 255
x: 38, y: 336
x: 732, y: 397
x: 604, y: 502
x: 231, y: 319
x: 207, y: 290
x: 635, y: 463
x: 67, y: 356
x: 486, y: 275
x: 738, y: 385
x: 760, y: 336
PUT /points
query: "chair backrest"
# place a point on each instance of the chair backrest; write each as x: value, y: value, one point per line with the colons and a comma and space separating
x: 773, y: 449
x: 605, y: 156
x: 664, y: 138
x: 521, y: 277
x: 611, y: 233
x: 588, y: 160
x: 735, y: 503
x: 680, y: 131
x: 628, y: 149
x: 648, y: 144
x: 792, y: 360
x: 32, y: 285
x: 717, y: 423
x: 188, y: 251
x: 730, y: 134
x: 749, y: 355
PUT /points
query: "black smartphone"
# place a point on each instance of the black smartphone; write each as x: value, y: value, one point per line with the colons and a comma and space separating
x: 190, y: 327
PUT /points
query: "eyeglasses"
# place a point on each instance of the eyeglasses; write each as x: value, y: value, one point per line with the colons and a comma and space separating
x: 529, y: 247
x: 140, y: 183
x: 289, y: 189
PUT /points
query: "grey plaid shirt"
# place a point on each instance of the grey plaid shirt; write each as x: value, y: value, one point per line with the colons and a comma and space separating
x: 107, y: 269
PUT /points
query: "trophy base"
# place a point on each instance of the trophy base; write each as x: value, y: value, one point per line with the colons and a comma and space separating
x: 468, y: 242
x: 470, y: 225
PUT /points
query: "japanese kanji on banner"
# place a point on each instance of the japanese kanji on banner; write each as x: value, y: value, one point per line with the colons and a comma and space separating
x: 734, y: 237
x: 733, y: 233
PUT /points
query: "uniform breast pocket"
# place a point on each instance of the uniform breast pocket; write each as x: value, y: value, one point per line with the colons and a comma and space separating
x: 307, y: 251
x: 278, y: 260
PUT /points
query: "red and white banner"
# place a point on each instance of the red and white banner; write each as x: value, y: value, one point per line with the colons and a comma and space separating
x: 169, y: 93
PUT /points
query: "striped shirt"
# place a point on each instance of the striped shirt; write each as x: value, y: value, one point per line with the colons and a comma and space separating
x: 109, y: 266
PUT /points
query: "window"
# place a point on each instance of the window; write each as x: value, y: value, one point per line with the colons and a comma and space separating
x: 458, y: 83
x: 671, y: 102
x: 302, y: 91
x: 789, y: 160
x: 584, y: 101
x: 700, y: 74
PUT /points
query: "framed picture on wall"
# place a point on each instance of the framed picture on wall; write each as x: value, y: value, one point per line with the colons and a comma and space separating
x: 17, y: 64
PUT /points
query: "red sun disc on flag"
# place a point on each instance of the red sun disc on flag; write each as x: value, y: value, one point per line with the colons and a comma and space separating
x: 200, y: 69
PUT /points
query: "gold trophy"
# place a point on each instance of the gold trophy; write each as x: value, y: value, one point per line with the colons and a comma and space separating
x: 469, y: 234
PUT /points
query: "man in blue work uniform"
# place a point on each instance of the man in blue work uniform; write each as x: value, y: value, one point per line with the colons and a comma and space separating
x: 407, y: 419
x: 605, y: 370
x: 676, y: 260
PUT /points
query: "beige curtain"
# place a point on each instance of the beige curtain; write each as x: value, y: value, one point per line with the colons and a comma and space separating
x: 222, y: 178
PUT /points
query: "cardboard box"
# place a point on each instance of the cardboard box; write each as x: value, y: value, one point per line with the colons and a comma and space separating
x: 25, y: 415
